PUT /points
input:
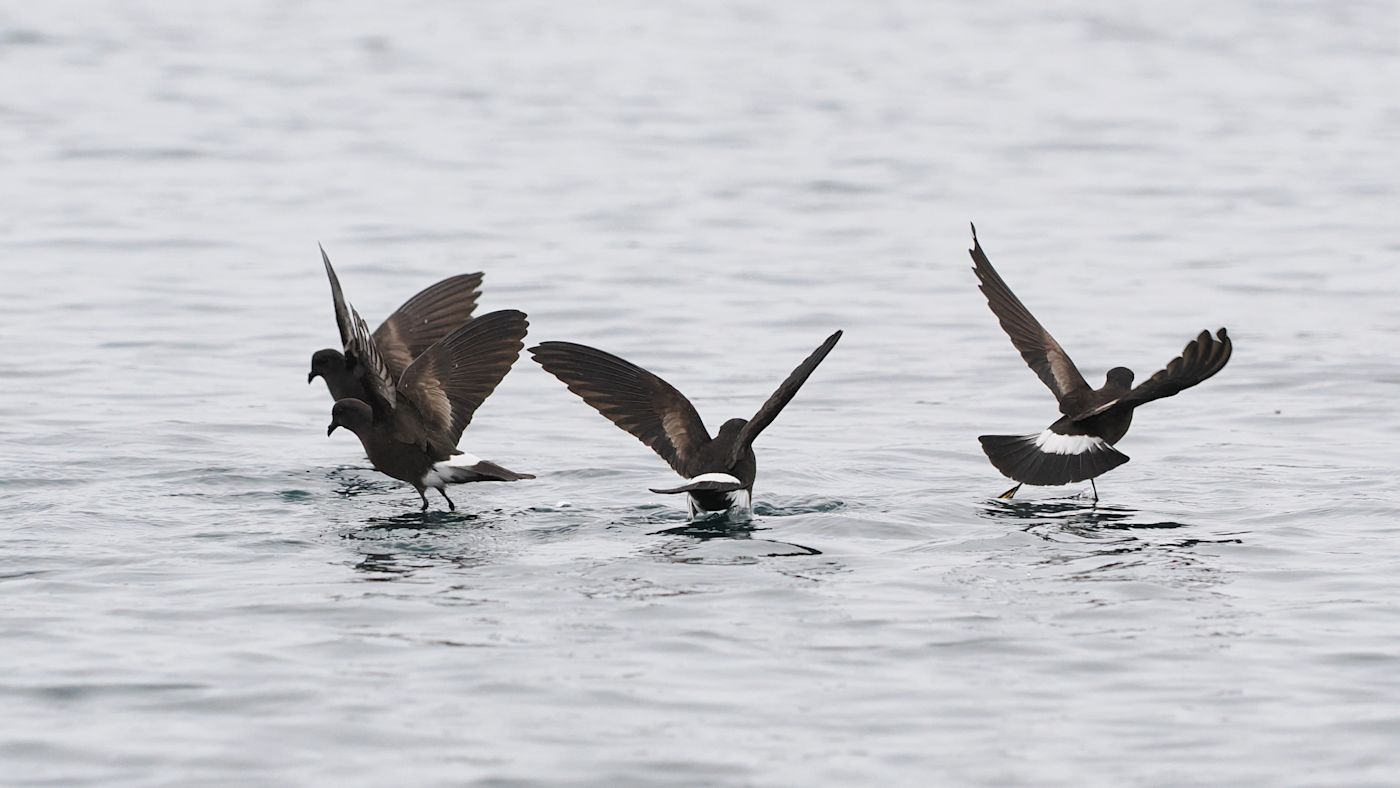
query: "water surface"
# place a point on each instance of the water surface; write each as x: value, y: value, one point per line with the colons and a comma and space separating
x: 201, y: 588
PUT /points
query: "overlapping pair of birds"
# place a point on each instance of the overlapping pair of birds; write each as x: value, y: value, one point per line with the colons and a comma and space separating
x: 410, y: 388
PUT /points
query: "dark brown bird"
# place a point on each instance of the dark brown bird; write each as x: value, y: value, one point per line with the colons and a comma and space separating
x: 413, y: 438
x: 403, y: 336
x: 719, y: 471
x: 1080, y: 445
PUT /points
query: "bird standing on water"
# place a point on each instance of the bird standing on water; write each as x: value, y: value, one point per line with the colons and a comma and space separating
x: 410, y: 407
x: 1080, y: 445
x: 719, y: 471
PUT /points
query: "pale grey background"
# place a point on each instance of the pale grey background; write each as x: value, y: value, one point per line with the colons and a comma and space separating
x: 200, y: 588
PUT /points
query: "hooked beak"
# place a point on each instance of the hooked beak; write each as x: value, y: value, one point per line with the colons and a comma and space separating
x: 332, y: 427
x: 310, y: 376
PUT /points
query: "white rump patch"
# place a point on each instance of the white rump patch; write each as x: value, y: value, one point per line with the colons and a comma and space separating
x: 1052, y: 442
x: 438, y: 474
x: 715, y: 477
x: 740, y: 499
x: 462, y: 460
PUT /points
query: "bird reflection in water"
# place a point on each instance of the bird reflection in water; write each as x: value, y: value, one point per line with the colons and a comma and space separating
x: 1072, y: 513
x: 1117, y: 535
x: 422, y: 521
x: 390, y: 566
x: 721, y: 527
x: 393, y: 549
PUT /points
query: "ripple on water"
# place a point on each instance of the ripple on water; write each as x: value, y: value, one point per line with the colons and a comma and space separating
x: 200, y: 585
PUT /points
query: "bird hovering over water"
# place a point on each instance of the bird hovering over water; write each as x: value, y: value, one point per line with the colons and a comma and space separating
x: 1080, y: 444
x: 719, y: 471
x: 408, y: 400
x: 415, y: 440
x: 413, y: 328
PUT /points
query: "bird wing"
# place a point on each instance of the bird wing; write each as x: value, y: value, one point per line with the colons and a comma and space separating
x: 644, y: 405
x: 450, y: 380
x: 1042, y: 353
x: 426, y: 318
x: 1201, y: 358
x: 359, y: 345
x: 779, y: 400
x: 365, y: 353
x: 343, y: 320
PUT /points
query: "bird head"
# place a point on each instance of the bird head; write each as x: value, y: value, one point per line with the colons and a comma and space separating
x: 352, y: 414
x: 1120, y: 376
x: 325, y: 362
x: 732, y: 427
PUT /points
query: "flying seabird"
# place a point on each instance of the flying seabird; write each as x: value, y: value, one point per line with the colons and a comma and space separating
x: 1080, y: 445
x: 403, y: 336
x: 719, y: 471
x: 413, y: 435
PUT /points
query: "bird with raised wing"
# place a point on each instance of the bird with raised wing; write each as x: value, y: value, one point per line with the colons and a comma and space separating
x: 413, y: 435
x: 413, y: 328
x: 1080, y: 445
x: 719, y: 471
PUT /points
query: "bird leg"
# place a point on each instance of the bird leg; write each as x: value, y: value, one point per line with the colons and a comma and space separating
x: 1009, y: 494
x: 450, y: 504
x: 1095, y: 488
x: 425, y: 500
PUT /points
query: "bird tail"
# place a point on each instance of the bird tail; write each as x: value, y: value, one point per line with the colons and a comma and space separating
x: 462, y: 468
x: 705, y: 482
x: 1049, y: 458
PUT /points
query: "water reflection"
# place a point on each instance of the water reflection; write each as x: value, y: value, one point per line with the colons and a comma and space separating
x: 741, y: 545
x: 1111, y: 539
x: 397, y: 546
x: 1073, y: 514
x: 382, y: 566
x: 351, y: 481
x: 422, y: 521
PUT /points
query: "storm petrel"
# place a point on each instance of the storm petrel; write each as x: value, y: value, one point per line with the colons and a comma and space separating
x: 1080, y: 445
x: 403, y: 336
x: 413, y: 437
x: 719, y: 471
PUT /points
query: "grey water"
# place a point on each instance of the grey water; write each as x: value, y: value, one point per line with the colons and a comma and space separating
x: 198, y: 587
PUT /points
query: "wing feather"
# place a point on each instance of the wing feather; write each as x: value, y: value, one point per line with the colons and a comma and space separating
x: 1199, y: 360
x: 779, y: 400
x: 425, y: 319
x: 642, y: 404
x: 360, y: 348
x: 1041, y: 352
x: 363, y: 351
x: 449, y: 381
x: 342, y: 310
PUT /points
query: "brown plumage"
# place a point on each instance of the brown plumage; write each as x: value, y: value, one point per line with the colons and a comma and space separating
x: 1079, y: 445
x: 415, y: 439
x: 719, y: 471
x: 420, y: 323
